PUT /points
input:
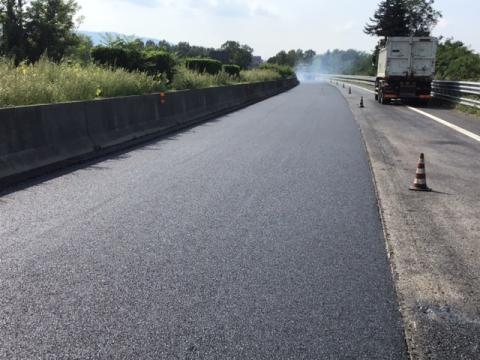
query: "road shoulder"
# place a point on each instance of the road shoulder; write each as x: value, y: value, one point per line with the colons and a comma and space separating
x: 432, y: 239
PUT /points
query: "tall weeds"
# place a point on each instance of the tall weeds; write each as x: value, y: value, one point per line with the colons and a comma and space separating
x: 47, y: 82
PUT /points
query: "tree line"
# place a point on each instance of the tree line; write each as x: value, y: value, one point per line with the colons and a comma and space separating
x: 392, y: 18
x: 231, y: 52
x: 455, y: 60
x: 293, y: 57
x: 42, y: 26
x: 30, y: 30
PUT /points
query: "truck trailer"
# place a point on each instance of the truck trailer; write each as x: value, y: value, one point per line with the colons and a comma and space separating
x: 406, y: 69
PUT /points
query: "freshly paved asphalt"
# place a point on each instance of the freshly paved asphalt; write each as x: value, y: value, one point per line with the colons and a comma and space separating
x: 253, y: 236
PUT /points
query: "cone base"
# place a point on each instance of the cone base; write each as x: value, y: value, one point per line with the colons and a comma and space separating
x: 425, y: 189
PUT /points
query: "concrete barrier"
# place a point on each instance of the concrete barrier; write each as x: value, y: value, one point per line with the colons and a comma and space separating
x: 35, y: 139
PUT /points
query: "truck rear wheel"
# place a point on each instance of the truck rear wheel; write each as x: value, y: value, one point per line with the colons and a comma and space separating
x: 382, y: 99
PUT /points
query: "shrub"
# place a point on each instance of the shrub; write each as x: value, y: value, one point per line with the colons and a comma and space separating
x: 190, y: 79
x: 232, y: 70
x: 159, y: 62
x: 49, y: 82
x: 258, y: 75
x: 152, y: 62
x: 455, y: 61
x: 116, y: 57
x: 209, y: 66
x: 285, y: 71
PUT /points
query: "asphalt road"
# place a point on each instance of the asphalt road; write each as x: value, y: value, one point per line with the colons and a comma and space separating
x: 433, y: 237
x: 253, y: 236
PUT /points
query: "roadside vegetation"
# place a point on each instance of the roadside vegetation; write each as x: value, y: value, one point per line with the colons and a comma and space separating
x: 455, y: 61
x: 44, y: 60
x: 190, y: 79
x: 469, y: 109
x: 46, y: 81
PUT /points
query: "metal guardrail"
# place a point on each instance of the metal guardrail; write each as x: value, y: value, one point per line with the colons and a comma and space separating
x: 457, y: 92
x: 369, y: 80
x: 452, y: 91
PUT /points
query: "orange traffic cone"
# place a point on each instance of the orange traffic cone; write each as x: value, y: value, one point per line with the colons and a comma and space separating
x: 420, y: 182
x: 361, y: 103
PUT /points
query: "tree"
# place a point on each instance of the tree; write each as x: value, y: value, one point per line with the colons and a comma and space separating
x: 455, y: 61
x: 49, y: 27
x: 220, y: 55
x: 403, y: 18
x: 81, y: 52
x: 164, y: 45
x: 150, y: 45
x: 293, y: 57
x: 308, y: 56
x: 348, y: 62
x: 281, y: 58
x: 12, y: 36
x: 238, y: 54
x: 183, y: 49
x: 390, y: 19
x: 422, y: 17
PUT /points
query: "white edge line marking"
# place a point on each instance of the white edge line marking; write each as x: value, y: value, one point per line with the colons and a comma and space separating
x: 434, y: 118
x: 447, y: 124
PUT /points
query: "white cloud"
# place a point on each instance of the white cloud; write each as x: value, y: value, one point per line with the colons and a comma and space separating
x: 443, y: 23
x: 262, y: 10
x: 231, y: 8
x: 346, y: 27
x: 146, y: 3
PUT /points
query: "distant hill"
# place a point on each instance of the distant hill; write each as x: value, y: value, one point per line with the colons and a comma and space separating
x: 99, y: 37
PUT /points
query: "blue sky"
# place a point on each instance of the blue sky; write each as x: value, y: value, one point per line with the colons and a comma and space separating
x: 266, y: 25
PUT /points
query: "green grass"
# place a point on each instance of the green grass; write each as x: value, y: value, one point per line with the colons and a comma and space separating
x: 189, y: 79
x: 257, y: 75
x: 468, y: 109
x: 47, y: 82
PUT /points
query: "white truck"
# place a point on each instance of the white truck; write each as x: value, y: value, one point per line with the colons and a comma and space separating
x: 406, y: 69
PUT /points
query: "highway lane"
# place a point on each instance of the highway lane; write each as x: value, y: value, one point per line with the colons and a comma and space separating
x: 432, y: 237
x: 442, y: 113
x: 253, y: 236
